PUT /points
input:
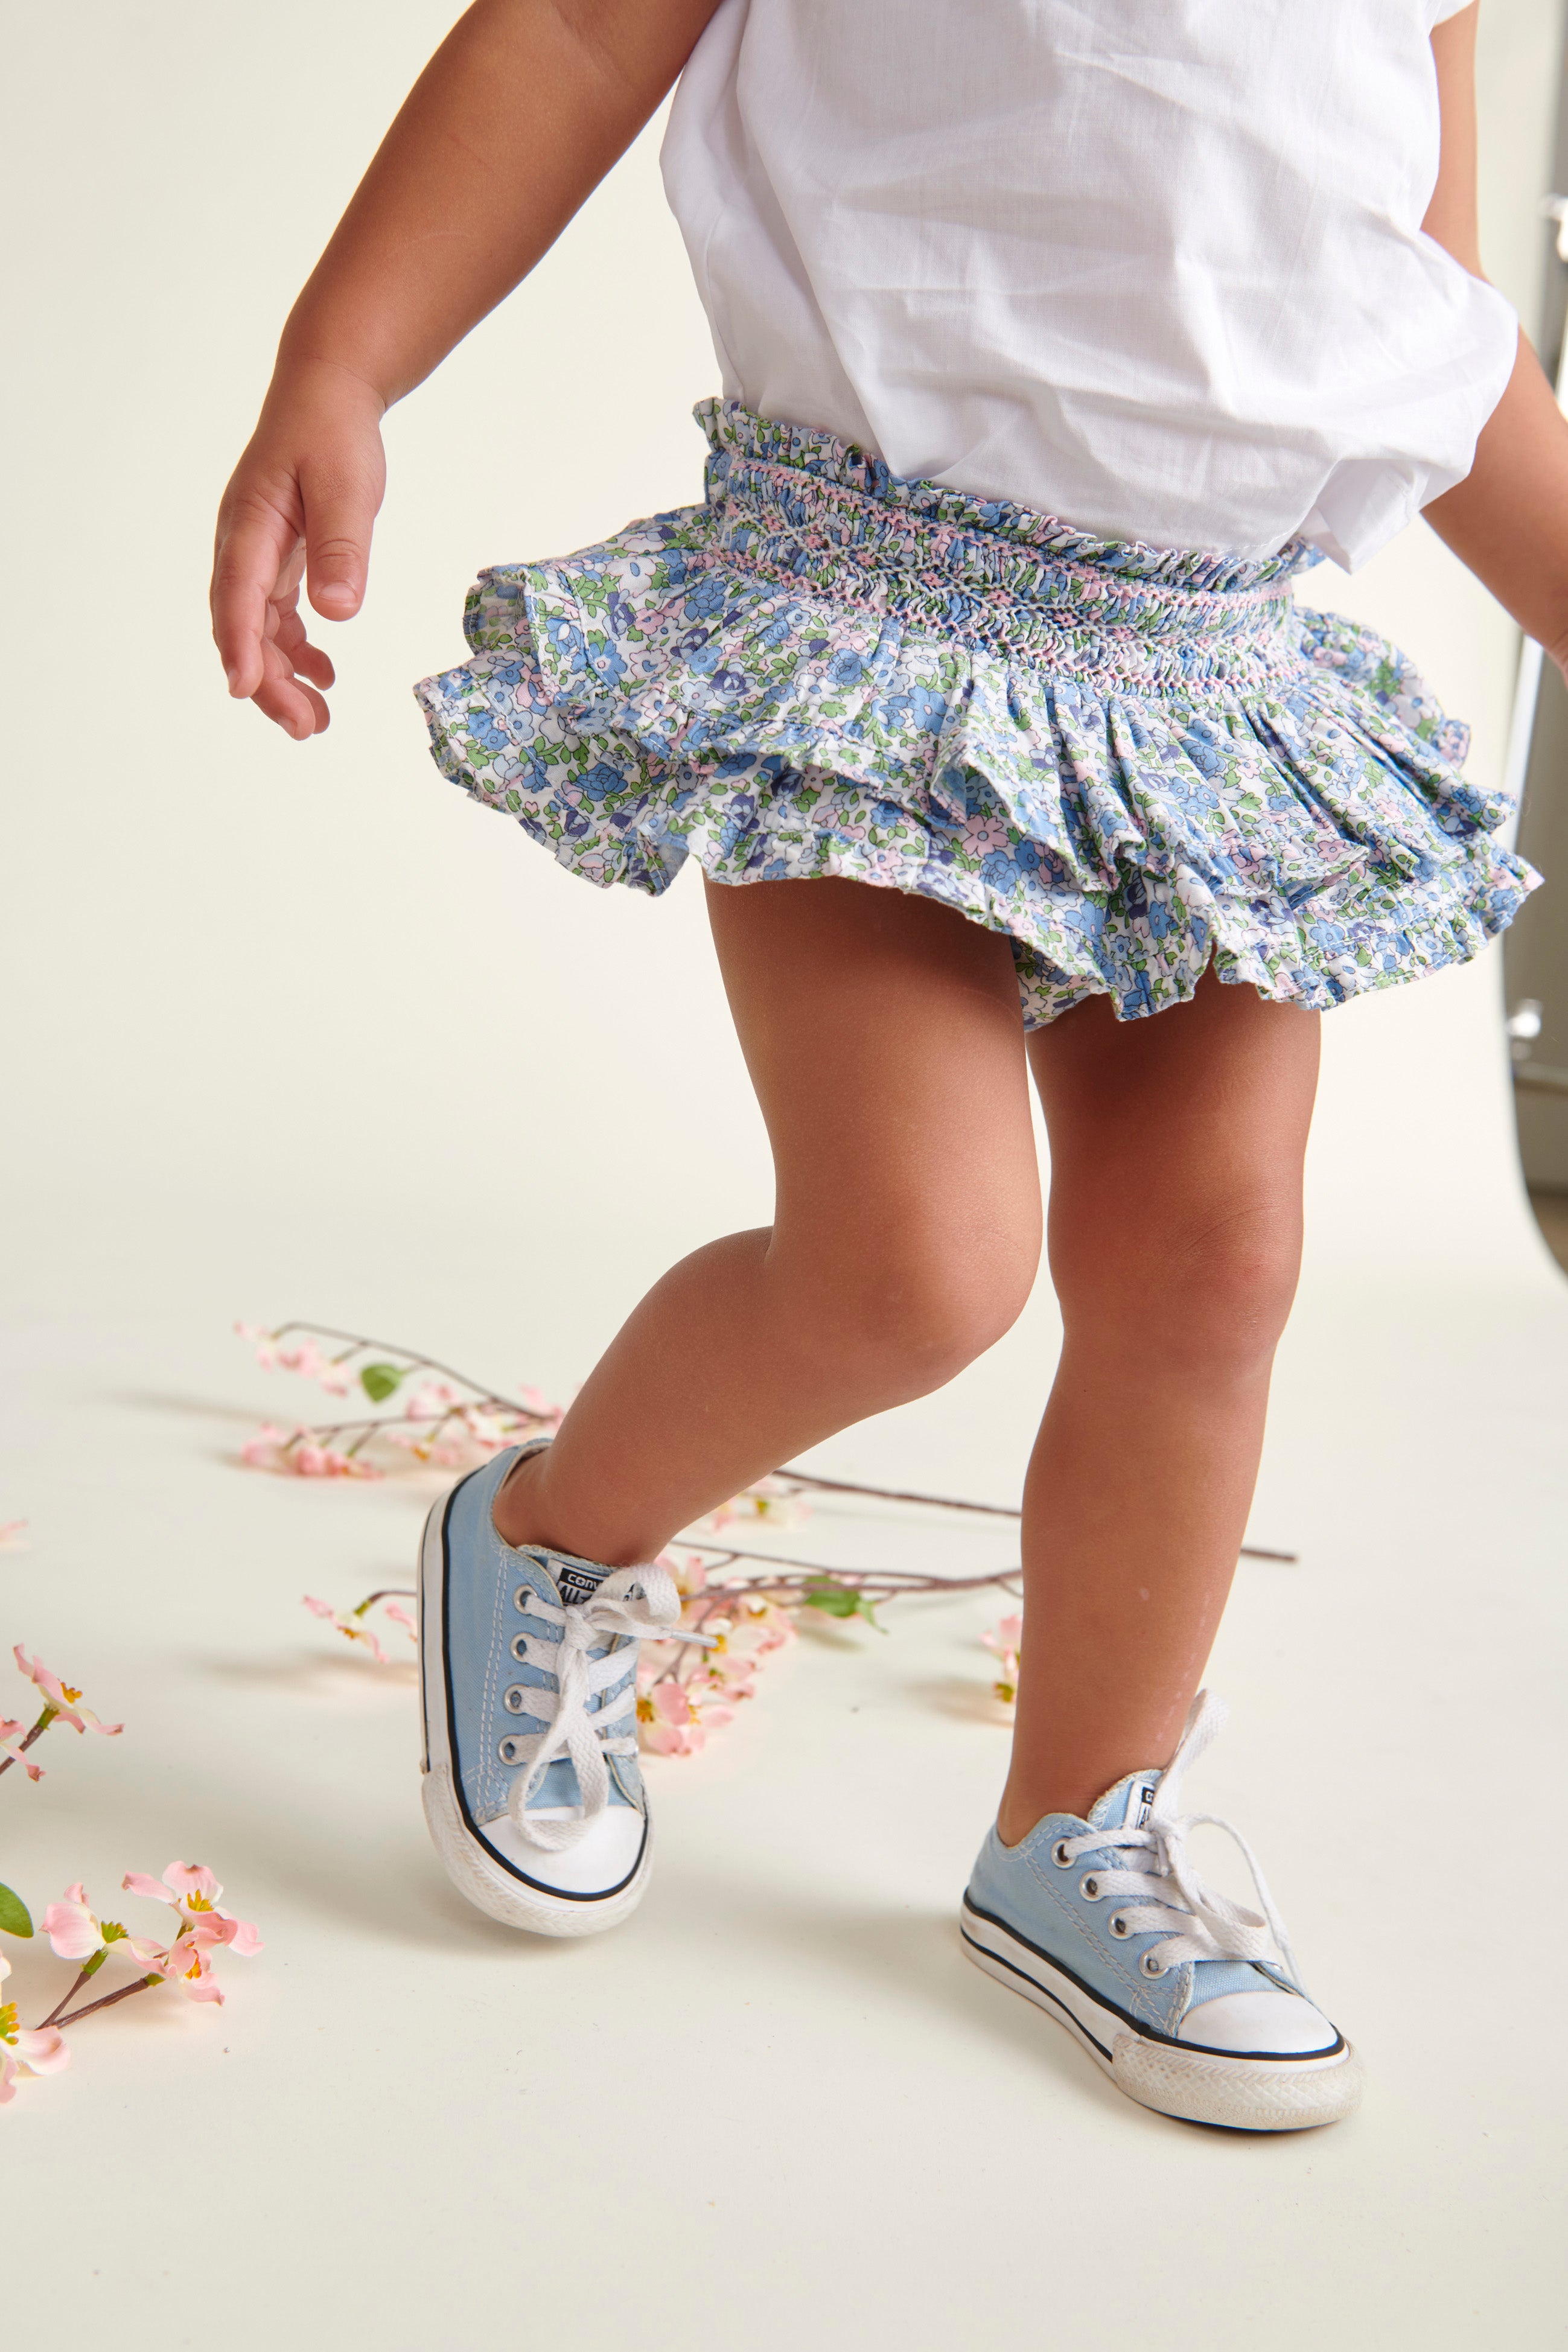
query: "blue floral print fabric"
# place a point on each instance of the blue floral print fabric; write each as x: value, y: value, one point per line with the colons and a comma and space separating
x: 1131, y: 761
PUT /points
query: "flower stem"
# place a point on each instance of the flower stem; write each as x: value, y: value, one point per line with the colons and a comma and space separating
x: 950, y: 1503
x: 107, y: 2000
x: 36, y: 1732
x: 811, y: 1480
x: 416, y: 1363
x: 65, y: 2001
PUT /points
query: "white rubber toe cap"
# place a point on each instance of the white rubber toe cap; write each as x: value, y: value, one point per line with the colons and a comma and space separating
x: 603, y: 1857
x: 1281, y: 2024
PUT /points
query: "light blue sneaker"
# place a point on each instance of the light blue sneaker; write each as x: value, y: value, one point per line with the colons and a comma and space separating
x: 1189, y: 2003
x: 529, y: 1663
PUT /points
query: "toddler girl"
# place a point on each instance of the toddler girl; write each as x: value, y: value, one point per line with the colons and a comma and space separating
x: 1056, y: 336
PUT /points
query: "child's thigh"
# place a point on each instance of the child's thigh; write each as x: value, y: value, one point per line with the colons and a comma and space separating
x: 884, y: 1038
x: 1169, y: 1133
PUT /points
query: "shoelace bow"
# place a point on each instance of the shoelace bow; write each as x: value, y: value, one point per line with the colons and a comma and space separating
x: 1170, y: 1899
x: 634, y: 1604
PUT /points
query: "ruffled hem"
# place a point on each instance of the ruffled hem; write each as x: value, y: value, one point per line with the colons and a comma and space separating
x: 1129, y: 769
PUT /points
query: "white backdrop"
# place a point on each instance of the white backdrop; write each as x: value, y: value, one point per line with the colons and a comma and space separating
x: 298, y: 1030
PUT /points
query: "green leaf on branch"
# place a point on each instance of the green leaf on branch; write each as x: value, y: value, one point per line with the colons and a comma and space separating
x: 380, y: 1381
x: 835, y: 1599
x: 14, y: 1916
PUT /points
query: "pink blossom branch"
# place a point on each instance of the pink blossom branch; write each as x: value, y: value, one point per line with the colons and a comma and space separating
x: 106, y: 2000
x: 809, y: 1478
x: 36, y: 1732
x: 360, y: 1430
x: 356, y: 1344
x: 70, y: 1992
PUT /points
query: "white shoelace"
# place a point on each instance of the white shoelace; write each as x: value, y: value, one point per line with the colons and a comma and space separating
x: 612, y: 1611
x: 1168, y: 1898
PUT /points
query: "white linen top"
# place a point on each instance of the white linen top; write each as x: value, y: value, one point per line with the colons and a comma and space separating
x: 1154, y: 266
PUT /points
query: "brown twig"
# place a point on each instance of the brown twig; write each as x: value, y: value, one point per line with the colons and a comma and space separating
x: 36, y: 1732
x: 107, y: 2002
x: 416, y: 1363
x: 66, y: 1998
x: 951, y: 1503
x: 799, y: 1480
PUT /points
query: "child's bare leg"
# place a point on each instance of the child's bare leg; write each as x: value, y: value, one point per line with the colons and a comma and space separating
x: 1175, y: 1237
x: 884, y: 1038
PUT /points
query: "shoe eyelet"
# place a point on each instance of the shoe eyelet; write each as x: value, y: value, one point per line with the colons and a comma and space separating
x: 1153, y: 1965
x: 523, y: 1597
x: 1118, y: 1925
x: 520, y: 1648
x: 1060, y: 1855
x: 513, y: 1700
x: 1090, y: 1889
x: 507, y: 1751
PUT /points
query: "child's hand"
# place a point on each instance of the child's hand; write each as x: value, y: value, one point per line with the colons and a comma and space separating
x: 300, y: 505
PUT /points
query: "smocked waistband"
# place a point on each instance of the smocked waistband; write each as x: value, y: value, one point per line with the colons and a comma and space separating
x: 796, y: 506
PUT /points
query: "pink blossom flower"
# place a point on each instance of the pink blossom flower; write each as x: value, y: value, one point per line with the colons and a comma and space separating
x: 11, y: 1736
x: 26, y: 2049
x: 184, y: 1964
x: 63, y: 1701
x: 400, y: 1616
x: 770, y: 1498
x: 484, y: 1429
x: 264, y: 1450
x: 686, y: 1571
x: 265, y: 1342
x: 765, y: 1625
x: 301, y: 1356
x: 433, y: 1401
x: 536, y: 1404
x: 336, y: 1377
x: 11, y: 1533
x: 734, y: 1675
x: 353, y: 1629
x: 672, y: 1723
x: 309, y: 1460
x: 74, y: 1932
x: 1005, y: 1641
x: 191, y: 1890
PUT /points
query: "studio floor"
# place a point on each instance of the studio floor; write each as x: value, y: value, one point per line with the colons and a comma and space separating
x: 778, y: 2106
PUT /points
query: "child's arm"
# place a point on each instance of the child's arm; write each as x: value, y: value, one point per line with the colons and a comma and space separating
x: 516, y: 118
x: 1507, y: 519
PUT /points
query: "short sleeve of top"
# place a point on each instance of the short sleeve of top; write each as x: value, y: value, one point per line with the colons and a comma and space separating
x: 1159, y: 270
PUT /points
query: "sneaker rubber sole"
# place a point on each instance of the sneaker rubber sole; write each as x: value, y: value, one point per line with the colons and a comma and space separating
x: 1268, y: 2092
x: 479, y: 1874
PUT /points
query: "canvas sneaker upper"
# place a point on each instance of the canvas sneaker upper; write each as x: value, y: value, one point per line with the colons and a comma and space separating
x: 1116, y: 1901
x: 538, y: 1656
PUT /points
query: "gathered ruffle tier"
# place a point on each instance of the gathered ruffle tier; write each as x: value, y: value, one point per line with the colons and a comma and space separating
x: 1131, y: 762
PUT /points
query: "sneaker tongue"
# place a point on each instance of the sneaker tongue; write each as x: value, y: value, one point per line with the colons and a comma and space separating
x: 1128, y: 1805
x: 575, y: 1579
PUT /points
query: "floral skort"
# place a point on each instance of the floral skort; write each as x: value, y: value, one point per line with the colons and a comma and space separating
x: 1130, y: 763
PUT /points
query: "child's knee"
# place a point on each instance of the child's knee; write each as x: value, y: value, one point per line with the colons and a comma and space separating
x: 907, y: 1316
x: 1213, y: 1295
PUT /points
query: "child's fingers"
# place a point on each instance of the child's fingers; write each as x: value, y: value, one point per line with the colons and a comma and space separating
x: 289, y: 701
x: 255, y: 550
x: 340, y: 512
x: 308, y: 660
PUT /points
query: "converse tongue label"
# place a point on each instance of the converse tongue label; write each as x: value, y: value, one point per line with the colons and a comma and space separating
x: 577, y: 1580
x: 1140, y: 1803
